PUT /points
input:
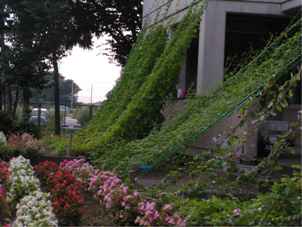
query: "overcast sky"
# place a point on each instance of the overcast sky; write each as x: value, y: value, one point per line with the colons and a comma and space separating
x: 90, y: 68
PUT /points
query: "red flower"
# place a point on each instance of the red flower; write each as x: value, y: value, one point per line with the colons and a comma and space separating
x: 65, y: 189
x: 4, y: 172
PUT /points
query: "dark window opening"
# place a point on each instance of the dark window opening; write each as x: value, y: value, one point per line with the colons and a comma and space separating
x: 247, y: 35
x: 188, y: 76
x: 192, y: 65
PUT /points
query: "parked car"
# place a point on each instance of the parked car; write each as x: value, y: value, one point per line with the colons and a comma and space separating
x: 44, y: 113
x: 35, y: 120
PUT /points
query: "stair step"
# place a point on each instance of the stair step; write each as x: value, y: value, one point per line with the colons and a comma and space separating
x: 289, y: 162
x: 246, y: 168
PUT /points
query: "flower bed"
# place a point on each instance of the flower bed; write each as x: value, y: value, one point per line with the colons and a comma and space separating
x: 4, y: 172
x: 4, y: 209
x: 125, y: 206
x: 32, y: 206
x: 66, y: 191
x: 35, y: 210
x: 23, y: 141
x: 22, y: 181
x: 20, y: 144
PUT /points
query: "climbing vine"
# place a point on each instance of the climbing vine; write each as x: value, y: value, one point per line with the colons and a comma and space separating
x: 143, y: 112
x: 140, y: 63
x: 203, y: 112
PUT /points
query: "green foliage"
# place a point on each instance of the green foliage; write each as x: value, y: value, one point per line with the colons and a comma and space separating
x: 6, y: 153
x: 6, y: 123
x: 26, y: 127
x: 277, y: 96
x: 82, y: 114
x: 56, y: 143
x: 281, y: 206
x: 143, y: 112
x: 202, y: 112
x: 140, y: 63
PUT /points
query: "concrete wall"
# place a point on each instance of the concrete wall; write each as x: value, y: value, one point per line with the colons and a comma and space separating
x: 156, y: 11
x: 164, y: 11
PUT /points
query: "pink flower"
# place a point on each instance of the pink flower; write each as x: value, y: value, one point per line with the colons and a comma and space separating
x: 135, y: 194
x: 113, y: 194
x: 125, y: 189
x: 167, y: 208
x: 236, y: 212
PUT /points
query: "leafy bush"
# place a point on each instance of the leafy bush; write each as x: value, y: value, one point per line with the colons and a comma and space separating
x: 6, y: 123
x: 280, y: 207
x: 6, y: 153
x: 57, y: 144
x: 26, y: 127
x: 82, y: 114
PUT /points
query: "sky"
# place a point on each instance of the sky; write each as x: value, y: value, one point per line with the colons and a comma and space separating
x: 90, y: 68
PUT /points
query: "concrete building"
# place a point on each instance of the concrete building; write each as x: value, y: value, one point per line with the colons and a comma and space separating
x: 228, y: 27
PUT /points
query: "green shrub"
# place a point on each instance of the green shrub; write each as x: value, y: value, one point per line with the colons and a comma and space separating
x: 6, y: 123
x: 83, y: 115
x: 280, y: 207
x: 57, y: 144
x: 30, y: 128
x: 6, y: 153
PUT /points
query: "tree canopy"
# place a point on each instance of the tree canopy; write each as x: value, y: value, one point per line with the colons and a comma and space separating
x: 35, y: 34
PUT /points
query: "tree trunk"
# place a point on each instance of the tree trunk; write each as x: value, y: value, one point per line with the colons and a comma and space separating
x: 9, y: 100
x: 57, y: 95
x: 1, y: 97
x: 16, y: 103
x: 2, y: 45
x: 4, y: 99
x: 26, y: 104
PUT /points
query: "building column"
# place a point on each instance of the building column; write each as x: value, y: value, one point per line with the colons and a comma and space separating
x: 211, y: 49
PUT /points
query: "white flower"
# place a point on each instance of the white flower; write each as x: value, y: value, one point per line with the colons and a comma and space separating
x: 39, y: 213
x: 3, y: 140
x: 22, y: 180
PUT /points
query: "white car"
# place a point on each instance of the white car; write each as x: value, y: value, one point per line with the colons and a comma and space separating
x: 44, y: 112
x: 35, y: 120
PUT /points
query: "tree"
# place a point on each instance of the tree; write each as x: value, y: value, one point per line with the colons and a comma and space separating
x: 58, y: 25
x: 68, y: 91
x: 43, y: 31
x: 22, y: 64
x: 122, y: 22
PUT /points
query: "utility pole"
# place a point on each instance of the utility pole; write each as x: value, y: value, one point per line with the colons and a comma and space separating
x: 91, y: 92
x: 91, y: 100
x: 57, y: 95
x: 72, y: 91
